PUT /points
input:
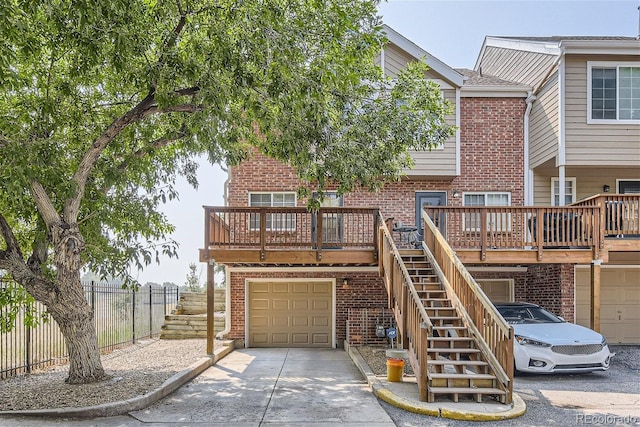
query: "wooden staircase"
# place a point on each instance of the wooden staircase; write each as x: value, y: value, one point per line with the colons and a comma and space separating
x: 456, y: 367
x: 189, y: 318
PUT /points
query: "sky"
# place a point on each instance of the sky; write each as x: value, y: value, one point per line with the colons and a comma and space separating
x: 453, y: 32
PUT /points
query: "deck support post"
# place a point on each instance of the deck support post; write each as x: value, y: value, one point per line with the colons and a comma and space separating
x: 210, y: 305
x: 595, y: 294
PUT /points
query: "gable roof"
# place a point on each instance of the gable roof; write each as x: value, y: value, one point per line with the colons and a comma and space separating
x: 448, y: 73
x: 561, y: 45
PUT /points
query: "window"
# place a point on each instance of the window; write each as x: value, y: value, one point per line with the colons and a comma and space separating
x: 614, y: 92
x: 495, y: 221
x: 569, y: 191
x: 274, y: 221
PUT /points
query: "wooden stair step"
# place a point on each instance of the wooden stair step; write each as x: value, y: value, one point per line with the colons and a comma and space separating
x: 453, y: 350
x: 457, y: 362
x: 450, y: 339
x: 464, y: 390
x: 452, y: 375
x: 472, y: 391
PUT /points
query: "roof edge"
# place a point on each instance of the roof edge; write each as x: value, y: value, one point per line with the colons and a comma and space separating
x: 417, y: 52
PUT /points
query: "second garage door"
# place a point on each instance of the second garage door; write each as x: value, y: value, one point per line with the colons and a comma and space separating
x: 619, y: 302
x: 290, y: 314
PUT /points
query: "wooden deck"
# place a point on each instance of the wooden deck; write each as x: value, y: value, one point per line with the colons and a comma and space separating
x: 580, y: 233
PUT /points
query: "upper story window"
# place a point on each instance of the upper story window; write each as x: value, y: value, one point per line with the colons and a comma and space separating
x: 500, y: 222
x: 275, y: 221
x: 614, y: 92
x: 569, y: 191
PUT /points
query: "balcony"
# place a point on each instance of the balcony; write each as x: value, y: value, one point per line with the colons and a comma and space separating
x: 291, y: 236
x: 580, y: 233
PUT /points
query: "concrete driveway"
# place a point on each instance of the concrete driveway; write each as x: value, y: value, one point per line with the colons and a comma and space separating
x: 284, y: 387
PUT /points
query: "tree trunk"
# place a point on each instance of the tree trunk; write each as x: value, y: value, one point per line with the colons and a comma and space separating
x: 72, y: 311
x: 75, y: 319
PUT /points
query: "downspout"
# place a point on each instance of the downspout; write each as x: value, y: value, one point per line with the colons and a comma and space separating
x: 458, y: 143
x: 227, y: 275
x: 227, y: 306
x: 562, y: 155
x: 528, y: 173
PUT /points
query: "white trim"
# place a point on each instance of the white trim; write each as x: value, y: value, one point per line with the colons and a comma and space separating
x: 458, y: 142
x: 495, y: 91
x: 545, y: 47
x: 561, y: 193
x: 417, y: 52
x: 622, y: 179
x: 601, y: 47
x: 608, y: 64
x: 247, y: 281
x: 608, y: 266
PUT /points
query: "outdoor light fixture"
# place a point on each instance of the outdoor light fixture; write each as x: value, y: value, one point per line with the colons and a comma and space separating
x: 456, y: 193
x: 345, y: 283
x: 606, y: 188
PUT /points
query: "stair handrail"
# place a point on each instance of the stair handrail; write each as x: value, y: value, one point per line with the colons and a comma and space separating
x: 412, y: 319
x: 502, y: 338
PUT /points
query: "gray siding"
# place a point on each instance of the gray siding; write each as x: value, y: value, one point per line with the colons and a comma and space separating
x: 589, y: 181
x: 396, y: 59
x: 595, y: 144
x: 543, y: 124
x: 438, y: 162
x: 516, y: 65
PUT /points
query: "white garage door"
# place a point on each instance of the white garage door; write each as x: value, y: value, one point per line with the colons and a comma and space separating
x: 619, y: 302
x: 290, y: 314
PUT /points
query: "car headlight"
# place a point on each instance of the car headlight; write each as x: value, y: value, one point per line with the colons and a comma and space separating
x: 604, y: 342
x: 529, y: 341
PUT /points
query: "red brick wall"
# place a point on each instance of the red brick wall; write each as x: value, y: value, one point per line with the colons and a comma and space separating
x: 552, y: 287
x: 363, y: 290
x: 361, y: 326
x: 492, y: 156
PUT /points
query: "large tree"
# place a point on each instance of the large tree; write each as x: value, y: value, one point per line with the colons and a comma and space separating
x: 104, y: 102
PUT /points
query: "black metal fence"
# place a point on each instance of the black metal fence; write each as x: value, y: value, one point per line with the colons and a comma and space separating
x: 121, y: 317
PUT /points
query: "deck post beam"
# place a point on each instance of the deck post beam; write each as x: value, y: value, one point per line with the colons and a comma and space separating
x: 595, y: 294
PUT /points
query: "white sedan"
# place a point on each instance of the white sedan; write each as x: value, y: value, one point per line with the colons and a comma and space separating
x: 546, y: 343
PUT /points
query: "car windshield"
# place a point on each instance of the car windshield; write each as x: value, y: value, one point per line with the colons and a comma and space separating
x: 527, y: 315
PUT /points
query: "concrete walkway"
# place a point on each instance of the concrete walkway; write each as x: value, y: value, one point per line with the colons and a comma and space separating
x: 262, y: 387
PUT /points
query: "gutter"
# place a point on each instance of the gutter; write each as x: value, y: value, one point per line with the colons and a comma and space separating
x: 227, y: 304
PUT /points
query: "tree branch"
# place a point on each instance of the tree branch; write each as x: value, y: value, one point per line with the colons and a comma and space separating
x: 44, y: 205
x: 151, y: 145
x: 13, y: 251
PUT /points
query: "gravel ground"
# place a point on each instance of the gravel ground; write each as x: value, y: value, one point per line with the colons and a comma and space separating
x: 133, y: 371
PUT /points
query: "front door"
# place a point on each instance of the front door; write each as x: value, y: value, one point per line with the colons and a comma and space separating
x: 430, y: 198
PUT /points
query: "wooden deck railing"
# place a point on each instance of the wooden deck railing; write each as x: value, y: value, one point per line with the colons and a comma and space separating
x: 411, y: 316
x: 619, y: 214
x: 291, y: 229
x: 518, y: 227
x: 479, y: 314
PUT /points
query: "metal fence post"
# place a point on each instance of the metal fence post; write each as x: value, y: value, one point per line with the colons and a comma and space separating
x: 93, y: 298
x: 133, y: 316
x: 164, y: 300
x: 27, y: 353
x: 150, y: 311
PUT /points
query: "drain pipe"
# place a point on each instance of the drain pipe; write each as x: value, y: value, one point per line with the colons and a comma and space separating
x: 227, y: 306
x: 528, y: 174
